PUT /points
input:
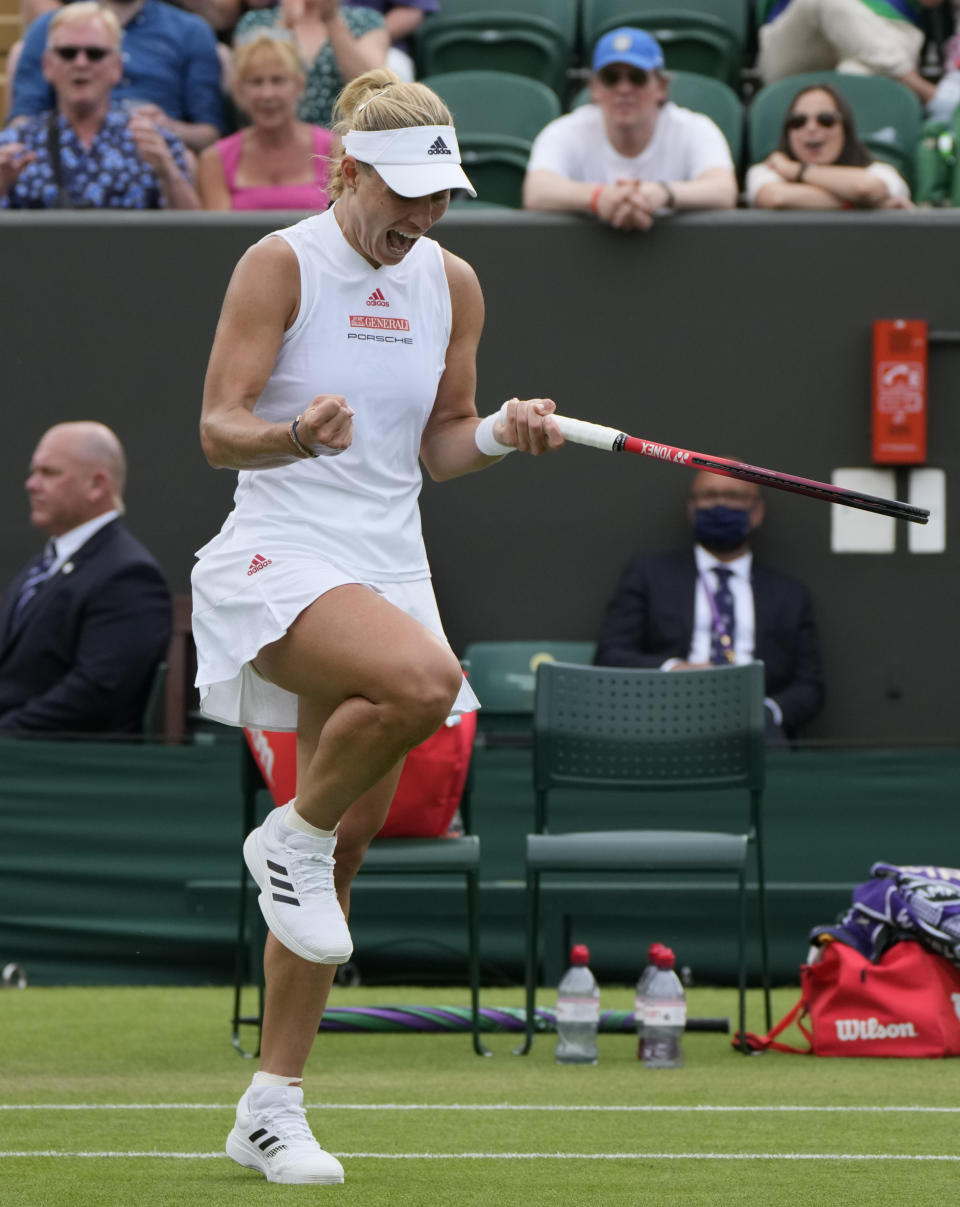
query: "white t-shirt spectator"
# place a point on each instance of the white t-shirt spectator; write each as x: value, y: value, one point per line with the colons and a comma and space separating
x: 760, y: 174
x: 684, y: 145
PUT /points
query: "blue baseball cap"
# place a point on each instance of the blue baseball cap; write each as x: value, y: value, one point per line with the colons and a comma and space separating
x: 631, y: 46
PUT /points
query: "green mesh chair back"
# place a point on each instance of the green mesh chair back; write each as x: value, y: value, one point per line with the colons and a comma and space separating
x: 496, y: 103
x: 631, y: 732
x: 703, y: 36
x: 503, y: 674
x: 534, y: 38
x: 889, y: 116
x: 497, y: 115
x: 617, y: 729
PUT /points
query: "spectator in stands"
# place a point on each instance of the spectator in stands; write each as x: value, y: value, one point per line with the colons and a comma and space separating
x: 867, y: 37
x: 220, y: 15
x: 277, y: 162
x: 402, y: 21
x: 335, y: 42
x: 84, y: 625
x: 632, y: 154
x: 170, y: 70
x: 89, y: 153
x: 821, y: 164
x: 675, y: 611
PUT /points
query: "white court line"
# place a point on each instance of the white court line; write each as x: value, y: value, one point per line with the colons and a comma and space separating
x: 495, y: 1106
x: 469, y: 1156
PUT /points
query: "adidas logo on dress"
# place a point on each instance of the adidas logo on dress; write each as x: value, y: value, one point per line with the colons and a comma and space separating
x: 439, y: 148
x: 377, y: 299
x: 259, y: 563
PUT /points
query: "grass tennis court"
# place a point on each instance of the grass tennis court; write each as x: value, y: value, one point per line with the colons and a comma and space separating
x: 123, y: 1097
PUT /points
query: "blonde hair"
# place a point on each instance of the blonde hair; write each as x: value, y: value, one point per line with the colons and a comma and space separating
x: 380, y: 100
x: 86, y: 10
x: 261, y: 46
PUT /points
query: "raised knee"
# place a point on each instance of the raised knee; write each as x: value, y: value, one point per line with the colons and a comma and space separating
x: 426, y: 695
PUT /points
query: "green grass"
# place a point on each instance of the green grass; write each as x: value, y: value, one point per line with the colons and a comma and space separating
x: 96, y: 1046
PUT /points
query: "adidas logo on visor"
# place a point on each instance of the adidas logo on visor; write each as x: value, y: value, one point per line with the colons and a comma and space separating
x: 439, y: 148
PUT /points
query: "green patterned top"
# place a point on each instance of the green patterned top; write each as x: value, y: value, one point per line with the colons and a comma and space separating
x: 324, y: 80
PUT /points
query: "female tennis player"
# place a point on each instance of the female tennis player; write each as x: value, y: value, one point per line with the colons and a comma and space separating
x: 345, y: 351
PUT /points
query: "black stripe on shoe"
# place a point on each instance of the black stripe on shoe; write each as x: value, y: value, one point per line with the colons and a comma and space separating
x: 277, y: 883
x: 275, y: 867
x: 285, y: 900
x: 255, y: 1136
x: 269, y: 1140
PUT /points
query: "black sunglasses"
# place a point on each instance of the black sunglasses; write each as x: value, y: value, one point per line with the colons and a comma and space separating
x: 610, y: 76
x: 94, y: 53
x: 796, y: 121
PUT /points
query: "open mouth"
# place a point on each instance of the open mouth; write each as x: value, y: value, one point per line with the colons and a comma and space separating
x: 399, y: 244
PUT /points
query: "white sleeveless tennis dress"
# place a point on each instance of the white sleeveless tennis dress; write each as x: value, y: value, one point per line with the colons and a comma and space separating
x: 378, y: 337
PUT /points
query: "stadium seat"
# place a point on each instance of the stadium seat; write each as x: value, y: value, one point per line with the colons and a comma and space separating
x: 889, y: 116
x: 702, y: 36
x: 703, y: 94
x: 503, y: 674
x: 497, y: 115
x: 532, y: 38
x: 634, y: 732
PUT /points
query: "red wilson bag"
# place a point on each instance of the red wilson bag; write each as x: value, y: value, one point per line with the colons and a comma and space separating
x: 430, y: 787
x: 906, y: 1004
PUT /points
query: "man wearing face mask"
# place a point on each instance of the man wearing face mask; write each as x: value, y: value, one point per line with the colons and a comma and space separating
x: 715, y: 604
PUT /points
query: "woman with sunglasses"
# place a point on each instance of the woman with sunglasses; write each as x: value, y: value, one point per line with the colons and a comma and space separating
x: 821, y: 164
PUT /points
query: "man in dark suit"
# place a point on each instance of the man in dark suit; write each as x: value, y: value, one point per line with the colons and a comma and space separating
x: 715, y: 604
x: 84, y: 625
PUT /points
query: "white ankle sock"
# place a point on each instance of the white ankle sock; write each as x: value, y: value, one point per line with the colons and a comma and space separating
x: 274, y: 1079
x: 295, y: 822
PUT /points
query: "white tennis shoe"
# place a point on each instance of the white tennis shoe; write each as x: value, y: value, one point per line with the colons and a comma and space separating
x: 272, y: 1134
x: 297, y: 895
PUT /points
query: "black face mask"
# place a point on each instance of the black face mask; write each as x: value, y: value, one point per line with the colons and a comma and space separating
x: 720, y: 529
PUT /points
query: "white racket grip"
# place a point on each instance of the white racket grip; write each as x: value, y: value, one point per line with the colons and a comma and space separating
x: 595, y: 435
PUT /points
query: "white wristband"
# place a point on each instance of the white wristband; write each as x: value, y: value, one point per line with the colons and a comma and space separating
x: 485, y: 440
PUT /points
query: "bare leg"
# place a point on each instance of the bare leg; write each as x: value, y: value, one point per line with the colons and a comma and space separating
x: 296, y: 990
x: 380, y: 680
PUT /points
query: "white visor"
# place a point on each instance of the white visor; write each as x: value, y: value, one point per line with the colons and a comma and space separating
x: 414, y: 161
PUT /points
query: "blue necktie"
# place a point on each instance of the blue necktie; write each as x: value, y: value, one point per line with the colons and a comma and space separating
x: 724, y: 634
x: 36, y: 577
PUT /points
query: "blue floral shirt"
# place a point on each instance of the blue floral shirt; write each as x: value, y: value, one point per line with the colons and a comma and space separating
x: 106, y: 175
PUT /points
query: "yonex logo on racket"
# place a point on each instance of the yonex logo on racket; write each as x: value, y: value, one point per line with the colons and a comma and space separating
x: 663, y: 452
x: 259, y: 563
x: 377, y: 299
x: 439, y: 148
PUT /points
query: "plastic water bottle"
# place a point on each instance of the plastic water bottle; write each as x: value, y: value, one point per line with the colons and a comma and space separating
x: 665, y: 1015
x: 640, y: 1001
x: 578, y: 1011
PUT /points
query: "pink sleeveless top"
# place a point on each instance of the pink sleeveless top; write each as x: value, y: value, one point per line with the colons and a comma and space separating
x: 311, y: 196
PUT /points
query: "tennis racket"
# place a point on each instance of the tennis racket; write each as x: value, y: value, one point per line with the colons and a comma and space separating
x: 595, y: 435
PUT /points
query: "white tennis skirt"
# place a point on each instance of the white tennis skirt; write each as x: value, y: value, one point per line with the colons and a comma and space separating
x: 242, y: 602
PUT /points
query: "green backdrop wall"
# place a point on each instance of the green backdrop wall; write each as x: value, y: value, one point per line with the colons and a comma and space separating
x: 739, y: 333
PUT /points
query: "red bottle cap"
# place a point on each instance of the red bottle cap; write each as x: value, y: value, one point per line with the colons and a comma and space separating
x: 580, y: 954
x: 665, y: 958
